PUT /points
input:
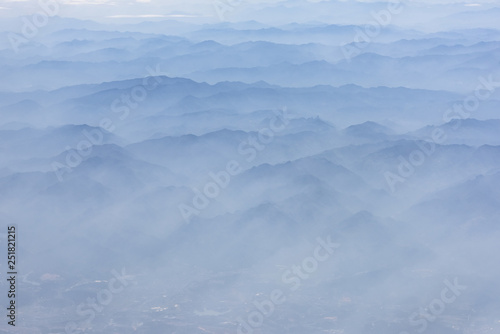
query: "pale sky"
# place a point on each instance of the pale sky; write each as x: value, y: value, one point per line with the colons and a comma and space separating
x: 122, y: 8
x: 179, y: 9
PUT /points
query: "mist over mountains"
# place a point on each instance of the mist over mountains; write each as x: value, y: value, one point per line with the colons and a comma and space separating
x: 289, y: 167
